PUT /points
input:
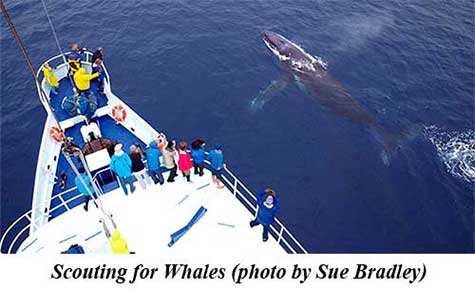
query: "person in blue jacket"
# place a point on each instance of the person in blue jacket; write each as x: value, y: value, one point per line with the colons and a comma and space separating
x: 85, y: 191
x: 216, y: 159
x: 198, y: 155
x: 268, y: 204
x: 121, y: 165
x: 74, y: 249
x: 153, y: 154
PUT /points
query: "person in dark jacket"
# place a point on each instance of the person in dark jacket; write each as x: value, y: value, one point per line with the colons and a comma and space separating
x: 268, y: 204
x: 138, y: 168
x: 97, y: 55
x: 198, y: 155
x: 152, y: 153
x: 97, y: 67
x: 77, y: 52
x: 85, y: 191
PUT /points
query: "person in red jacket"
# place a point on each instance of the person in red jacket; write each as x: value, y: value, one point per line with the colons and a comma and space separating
x: 184, y: 161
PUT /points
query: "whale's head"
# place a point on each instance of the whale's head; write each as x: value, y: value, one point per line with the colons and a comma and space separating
x: 290, y: 53
x: 278, y: 45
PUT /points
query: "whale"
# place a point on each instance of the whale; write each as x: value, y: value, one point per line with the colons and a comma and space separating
x: 312, y: 74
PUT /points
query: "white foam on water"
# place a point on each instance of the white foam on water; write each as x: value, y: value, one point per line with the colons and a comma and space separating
x: 456, y: 150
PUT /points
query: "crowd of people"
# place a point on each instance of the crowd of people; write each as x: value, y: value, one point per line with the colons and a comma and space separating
x: 144, y: 165
x: 77, y: 73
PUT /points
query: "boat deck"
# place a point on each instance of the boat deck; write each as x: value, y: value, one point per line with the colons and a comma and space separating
x: 146, y: 219
x: 66, y: 89
x: 109, y: 129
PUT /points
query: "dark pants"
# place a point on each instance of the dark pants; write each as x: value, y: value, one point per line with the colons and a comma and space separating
x: 87, y: 198
x: 265, y: 233
x: 86, y: 93
x: 199, y: 168
x: 156, y: 176
x: 173, y: 174
x: 127, y: 180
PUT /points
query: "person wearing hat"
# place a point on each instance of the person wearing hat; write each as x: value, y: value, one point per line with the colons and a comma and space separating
x: 138, y: 168
x: 121, y: 165
x: 216, y: 159
x: 268, y: 204
x: 118, y: 244
x: 198, y: 154
x: 50, y: 78
x: 153, y: 154
x: 169, y: 153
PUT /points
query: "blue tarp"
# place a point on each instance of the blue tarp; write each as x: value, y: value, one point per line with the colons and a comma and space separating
x: 178, y: 234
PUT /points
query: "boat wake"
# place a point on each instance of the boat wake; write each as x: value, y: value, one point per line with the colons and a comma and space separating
x: 456, y: 150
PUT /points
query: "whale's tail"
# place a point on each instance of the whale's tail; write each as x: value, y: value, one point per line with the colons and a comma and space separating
x: 393, y: 140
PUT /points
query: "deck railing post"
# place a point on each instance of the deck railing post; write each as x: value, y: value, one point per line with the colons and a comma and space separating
x: 63, y: 202
x: 235, y: 187
x: 280, y: 235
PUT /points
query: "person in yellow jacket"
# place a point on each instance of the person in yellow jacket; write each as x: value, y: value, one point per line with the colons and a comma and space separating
x: 83, y: 80
x: 50, y: 78
x: 118, y: 244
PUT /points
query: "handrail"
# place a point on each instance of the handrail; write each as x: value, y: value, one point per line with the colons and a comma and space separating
x: 27, y: 215
x: 233, y: 184
x: 283, y: 229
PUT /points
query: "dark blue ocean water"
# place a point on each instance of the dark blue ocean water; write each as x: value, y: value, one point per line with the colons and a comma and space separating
x: 192, y: 67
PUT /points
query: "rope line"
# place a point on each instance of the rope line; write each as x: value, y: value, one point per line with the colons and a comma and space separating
x: 54, y: 31
x: 28, y: 61
x: 57, y: 42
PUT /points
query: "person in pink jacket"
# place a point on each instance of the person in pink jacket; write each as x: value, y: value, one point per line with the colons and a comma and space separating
x: 184, y: 161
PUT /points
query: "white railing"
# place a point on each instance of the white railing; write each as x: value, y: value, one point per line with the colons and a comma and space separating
x: 13, y: 235
x: 282, y: 234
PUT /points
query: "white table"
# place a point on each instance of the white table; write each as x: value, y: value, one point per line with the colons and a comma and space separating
x: 98, y: 159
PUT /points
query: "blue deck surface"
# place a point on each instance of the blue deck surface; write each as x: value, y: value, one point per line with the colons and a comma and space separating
x: 65, y: 89
x: 109, y: 129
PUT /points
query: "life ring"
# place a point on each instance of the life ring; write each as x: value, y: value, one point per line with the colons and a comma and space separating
x: 118, y: 113
x: 56, y: 134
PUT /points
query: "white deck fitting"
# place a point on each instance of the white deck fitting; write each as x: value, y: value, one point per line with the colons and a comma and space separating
x: 146, y: 219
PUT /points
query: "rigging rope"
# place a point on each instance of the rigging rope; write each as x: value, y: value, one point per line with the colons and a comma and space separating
x: 54, y: 31
x: 57, y: 44
x: 28, y: 60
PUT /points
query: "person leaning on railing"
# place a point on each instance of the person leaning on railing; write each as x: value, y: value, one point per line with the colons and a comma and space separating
x: 216, y: 160
x: 168, y: 153
x: 268, y: 202
x: 121, y: 165
x: 198, y: 153
x: 50, y: 78
x: 152, y: 153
